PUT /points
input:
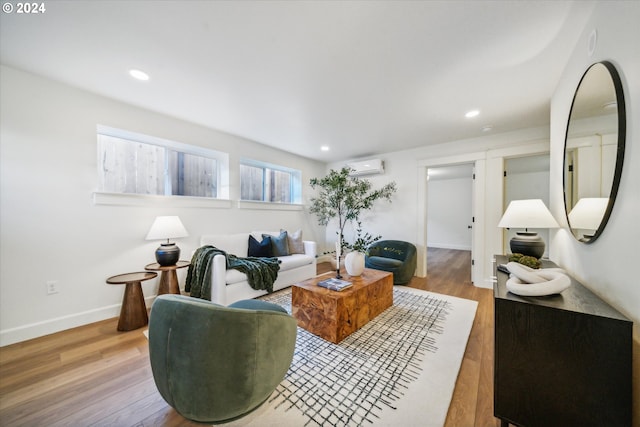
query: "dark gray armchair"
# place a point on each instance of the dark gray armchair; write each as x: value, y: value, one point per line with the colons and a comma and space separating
x: 396, y: 256
x: 213, y: 363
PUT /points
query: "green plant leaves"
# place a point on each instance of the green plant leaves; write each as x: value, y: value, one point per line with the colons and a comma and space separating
x: 345, y: 197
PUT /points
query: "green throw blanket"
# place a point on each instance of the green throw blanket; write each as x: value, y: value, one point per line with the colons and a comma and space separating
x: 261, y: 272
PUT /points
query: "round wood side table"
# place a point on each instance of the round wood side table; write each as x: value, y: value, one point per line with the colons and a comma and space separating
x: 168, y: 276
x: 133, y: 313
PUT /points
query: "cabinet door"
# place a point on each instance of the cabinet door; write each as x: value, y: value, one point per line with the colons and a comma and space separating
x: 556, y: 367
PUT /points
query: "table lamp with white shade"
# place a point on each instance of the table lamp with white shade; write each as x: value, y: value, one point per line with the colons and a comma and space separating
x: 167, y: 227
x: 587, y: 214
x: 527, y: 214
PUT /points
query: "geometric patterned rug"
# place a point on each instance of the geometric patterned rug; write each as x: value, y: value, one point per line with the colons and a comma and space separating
x: 378, y: 374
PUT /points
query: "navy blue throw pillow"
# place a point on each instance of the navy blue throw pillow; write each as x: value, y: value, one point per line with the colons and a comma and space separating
x: 260, y: 249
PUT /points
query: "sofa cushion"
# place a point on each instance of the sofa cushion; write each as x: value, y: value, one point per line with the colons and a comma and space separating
x: 296, y: 246
x: 279, y: 244
x: 286, y: 263
x: 234, y: 276
x: 260, y: 249
x: 294, y: 261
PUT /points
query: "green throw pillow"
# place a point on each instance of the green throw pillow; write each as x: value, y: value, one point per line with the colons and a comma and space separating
x: 279, y: 244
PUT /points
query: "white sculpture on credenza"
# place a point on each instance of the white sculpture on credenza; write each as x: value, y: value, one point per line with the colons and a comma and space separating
x: 526, y: 281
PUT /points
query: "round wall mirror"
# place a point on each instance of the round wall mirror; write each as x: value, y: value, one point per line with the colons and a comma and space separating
x: 594, y: 151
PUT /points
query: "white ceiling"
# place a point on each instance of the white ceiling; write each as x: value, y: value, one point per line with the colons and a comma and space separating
x: 361, y: 77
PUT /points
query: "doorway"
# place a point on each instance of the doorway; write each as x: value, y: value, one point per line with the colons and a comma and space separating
x: 449, y: 215
x: 480, y: 261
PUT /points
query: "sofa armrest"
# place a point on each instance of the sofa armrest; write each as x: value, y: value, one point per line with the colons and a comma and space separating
x: 219, y: 280
x: 310, y: 248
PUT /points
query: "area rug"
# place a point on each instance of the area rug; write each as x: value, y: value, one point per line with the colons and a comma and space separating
x: 398, y: 370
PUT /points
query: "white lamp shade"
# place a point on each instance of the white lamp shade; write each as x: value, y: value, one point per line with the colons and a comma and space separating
x: 587, y: 214
x: 166, y: 227
x: 527, y: 214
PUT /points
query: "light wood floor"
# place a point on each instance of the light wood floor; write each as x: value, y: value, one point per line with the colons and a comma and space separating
x: 94, y: 375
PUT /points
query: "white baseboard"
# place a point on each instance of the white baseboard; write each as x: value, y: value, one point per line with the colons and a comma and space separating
x: 50, y: 326
x: 486, y: 283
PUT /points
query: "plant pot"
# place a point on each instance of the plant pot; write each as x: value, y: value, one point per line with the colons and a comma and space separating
x: 354, y: 263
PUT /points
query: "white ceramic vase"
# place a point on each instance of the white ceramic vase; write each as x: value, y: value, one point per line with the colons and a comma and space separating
x: 354, y: 263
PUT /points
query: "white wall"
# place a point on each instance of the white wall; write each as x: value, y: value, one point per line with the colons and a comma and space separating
x: 51, y: 229
x: 449, y: 213
x: 607, y: 265
x: 405, y: 217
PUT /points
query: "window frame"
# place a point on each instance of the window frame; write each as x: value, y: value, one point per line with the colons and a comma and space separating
x: 222, y: 173
x: 295, y: 183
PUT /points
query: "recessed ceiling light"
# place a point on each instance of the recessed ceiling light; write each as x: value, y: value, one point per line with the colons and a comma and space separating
x: 472, y: 113
x: 325, y: 148
x: 140, y: 75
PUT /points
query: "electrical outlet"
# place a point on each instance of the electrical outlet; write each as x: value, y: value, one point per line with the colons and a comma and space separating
x: 52, y: 287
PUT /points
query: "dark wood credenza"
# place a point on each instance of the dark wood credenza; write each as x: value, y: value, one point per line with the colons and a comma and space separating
x: 560, y: 360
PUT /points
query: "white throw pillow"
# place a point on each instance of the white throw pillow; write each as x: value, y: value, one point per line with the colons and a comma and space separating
x: 296, y: 246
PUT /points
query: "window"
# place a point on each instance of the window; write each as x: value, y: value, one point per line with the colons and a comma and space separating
x: 269, y: 183
x: 140, y: 164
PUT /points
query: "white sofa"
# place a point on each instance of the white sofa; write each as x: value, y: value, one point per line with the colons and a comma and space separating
x: 229, y: 286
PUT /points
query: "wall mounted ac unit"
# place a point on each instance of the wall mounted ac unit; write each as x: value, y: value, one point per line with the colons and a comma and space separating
x: 366, y: 167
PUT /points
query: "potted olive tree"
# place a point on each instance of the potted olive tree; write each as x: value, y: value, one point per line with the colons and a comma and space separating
x: 344, y: 197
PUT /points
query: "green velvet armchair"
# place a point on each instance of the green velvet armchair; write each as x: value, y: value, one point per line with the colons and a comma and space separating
x: 396, y: 256
x: 214, y: 364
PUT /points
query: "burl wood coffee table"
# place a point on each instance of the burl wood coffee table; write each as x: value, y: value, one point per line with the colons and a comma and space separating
x: 333, y: 315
